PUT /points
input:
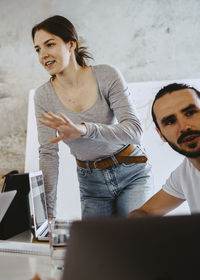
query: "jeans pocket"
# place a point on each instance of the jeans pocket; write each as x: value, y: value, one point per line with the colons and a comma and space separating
x: 82, y: 172
x: 141, y: 151
x: 138, y: 151
x: 128, y: 164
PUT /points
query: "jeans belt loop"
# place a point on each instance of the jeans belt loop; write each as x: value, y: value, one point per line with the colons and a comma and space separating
x: 115, y: 160
x: 87, y: 165
x: 96, y: 162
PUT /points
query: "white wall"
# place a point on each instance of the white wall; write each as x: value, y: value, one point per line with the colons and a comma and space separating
x: 161, y: 156
x: 147, y: 40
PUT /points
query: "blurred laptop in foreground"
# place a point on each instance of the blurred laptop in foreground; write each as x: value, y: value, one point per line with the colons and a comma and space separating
x: 149, y: 248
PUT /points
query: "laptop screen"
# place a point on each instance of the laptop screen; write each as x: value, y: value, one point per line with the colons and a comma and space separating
x: 38, y: 198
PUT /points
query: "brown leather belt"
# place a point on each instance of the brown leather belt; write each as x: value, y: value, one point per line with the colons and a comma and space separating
x: 121, y: 157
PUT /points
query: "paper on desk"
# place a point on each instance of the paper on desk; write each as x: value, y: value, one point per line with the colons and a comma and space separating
x: 24, y: 248
x: 59, y: 254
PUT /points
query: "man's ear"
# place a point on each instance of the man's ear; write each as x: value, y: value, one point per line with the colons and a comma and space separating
x: 160, y: 134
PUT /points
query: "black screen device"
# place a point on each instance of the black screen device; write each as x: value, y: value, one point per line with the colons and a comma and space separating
x: 17, y: 218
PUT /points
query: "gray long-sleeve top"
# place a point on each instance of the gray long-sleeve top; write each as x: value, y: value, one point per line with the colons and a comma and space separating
x: 111, y: 123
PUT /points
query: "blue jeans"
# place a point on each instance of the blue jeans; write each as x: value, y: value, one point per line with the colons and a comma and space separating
x: 117, y: 190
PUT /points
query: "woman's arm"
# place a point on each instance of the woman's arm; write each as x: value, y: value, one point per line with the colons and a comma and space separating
x: 48, y: 154
x: 116, y: 92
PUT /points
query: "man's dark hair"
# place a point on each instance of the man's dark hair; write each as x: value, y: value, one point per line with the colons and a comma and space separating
x: 169, y: 89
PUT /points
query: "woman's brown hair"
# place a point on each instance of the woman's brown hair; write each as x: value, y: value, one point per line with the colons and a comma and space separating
x: 63, y: 28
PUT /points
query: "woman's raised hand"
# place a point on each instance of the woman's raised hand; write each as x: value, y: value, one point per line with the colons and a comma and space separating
x: 66, y: 128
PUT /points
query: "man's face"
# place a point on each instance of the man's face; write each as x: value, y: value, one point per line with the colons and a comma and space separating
x: 178, y: 117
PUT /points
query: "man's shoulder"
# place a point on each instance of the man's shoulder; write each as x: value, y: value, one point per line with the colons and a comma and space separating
x: 185, y: 169
x: 182, y: 166
x: 188, y: 165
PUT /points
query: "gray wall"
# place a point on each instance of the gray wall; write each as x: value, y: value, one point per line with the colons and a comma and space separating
x: 146, y: 39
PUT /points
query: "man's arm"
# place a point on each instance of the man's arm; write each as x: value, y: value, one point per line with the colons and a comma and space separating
x: 159, y: 204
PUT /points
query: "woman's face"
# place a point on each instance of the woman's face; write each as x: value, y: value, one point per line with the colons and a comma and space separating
x: 53, y: 53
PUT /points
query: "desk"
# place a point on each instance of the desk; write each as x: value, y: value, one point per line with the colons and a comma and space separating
x: 24, y: 266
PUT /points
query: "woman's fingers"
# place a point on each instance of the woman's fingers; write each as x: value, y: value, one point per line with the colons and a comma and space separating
x: 57, y: 139
x: 66, y: 128
x: 49, y: 124
x: 52, y: 120
x: 54, y: 117
x: 65, y: 118
x: 51, y: 117
x: 46, y: 116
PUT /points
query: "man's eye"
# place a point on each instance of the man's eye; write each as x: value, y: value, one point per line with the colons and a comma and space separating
x: 37, y: 50
x: 169, y: 122
x: 190, y: 113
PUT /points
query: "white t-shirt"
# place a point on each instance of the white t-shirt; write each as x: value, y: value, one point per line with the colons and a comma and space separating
x: 184, y: 183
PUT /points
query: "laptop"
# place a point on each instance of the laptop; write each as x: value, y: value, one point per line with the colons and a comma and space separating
x: 38, y: 203
x: 5, y: 200
x: 150, y: 248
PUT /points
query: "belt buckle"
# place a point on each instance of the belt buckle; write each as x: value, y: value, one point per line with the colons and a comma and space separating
x: 96, y: 161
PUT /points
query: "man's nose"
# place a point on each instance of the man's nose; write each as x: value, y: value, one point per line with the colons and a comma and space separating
x: 184, y: 125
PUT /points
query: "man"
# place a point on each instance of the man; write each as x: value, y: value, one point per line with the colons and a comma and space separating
x: 176, y: 114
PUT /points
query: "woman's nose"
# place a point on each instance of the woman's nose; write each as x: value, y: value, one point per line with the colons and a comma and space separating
x: 43, y: 54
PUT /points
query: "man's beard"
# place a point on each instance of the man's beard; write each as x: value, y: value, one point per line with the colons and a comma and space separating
x: 188, y: 154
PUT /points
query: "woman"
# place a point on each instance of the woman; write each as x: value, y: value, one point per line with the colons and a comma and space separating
x: 89, y: 108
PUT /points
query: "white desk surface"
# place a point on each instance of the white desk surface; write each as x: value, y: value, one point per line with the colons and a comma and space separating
x: 24, y: 266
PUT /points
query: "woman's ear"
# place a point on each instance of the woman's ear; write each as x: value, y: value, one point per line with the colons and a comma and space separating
x: 161, y: 135
x: 72, y: 46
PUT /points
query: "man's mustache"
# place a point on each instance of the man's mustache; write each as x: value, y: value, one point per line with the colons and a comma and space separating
x: 187, y: 133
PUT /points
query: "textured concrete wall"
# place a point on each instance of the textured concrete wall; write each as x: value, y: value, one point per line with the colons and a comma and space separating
x: 146, y: 39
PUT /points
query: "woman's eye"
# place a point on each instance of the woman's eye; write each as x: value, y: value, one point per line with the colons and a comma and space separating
x: 37, y: 50
x: 50, y: 44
